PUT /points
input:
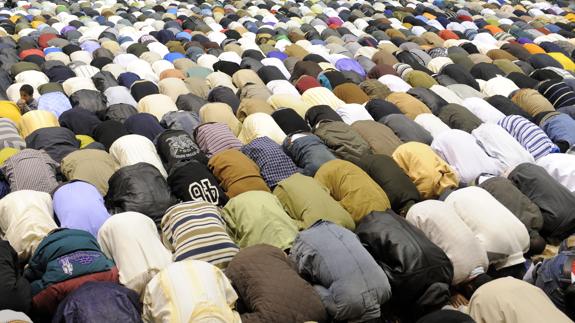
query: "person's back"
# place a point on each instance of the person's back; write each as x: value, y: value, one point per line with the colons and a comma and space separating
x: 340, y: 269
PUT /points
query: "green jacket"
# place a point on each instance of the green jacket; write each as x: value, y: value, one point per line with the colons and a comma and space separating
x: 307, y: 206
x: 65, y: 254
x: 256, y: 217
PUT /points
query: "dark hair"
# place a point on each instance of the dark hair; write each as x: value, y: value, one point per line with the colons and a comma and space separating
x: 469, y: 288
x: 28, y: 89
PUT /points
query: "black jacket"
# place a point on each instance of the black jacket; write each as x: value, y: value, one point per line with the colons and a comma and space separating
x: 460, y: 75
x: 104, y: 80
x: 177, y: 146
x: 80, y: 121
x: 140, y: 188
x: 400, y: 190
x: 90, y: 100
x: 193, y: 181
x: 554, y: 200
x: 58, y: 142
x: 432, y: 100
x: 419, y: 272
x: 15, y: 291
x: 190, y: 102
x: 289, y: 121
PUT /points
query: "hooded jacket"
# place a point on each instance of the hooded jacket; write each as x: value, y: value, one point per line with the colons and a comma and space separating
x: 89, y: 165
x: 419, y: 272
x: 442, y: 226
x: 139, y: 188
x: 15, y: 289
x: 236, y: 173
x: 79, y: 205
x: 430, y: 174
x: 554, y: 200
x: 256, y: 217
x: 192, y: 181
x: 340, y: 268
x: 312, y: 204
x: 177, y: 147
x: 62, y: 255
x: 132, y: 241
x: 390, y: 177
x: 352, y: 188
x: 196, y: 230
x: 264, y: 277
x: 381, y: 139
x: 345, y: 142
x: 503, y: 236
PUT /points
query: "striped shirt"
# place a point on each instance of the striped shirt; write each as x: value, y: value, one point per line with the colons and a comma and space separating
x: 558, y: 93
x: 9, y: 136
x: 31, y: 170
x: 55, y: 102
x: 196, y: 230
x: 528, y: 135
x: 215, y: 137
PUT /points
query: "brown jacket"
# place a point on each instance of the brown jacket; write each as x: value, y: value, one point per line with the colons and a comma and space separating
x: 236, y: 172
x: 380, y: 137
x: 271, y: 290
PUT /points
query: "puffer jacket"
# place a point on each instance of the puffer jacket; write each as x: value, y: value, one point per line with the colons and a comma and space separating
x: 342, y: 139
x: 264, y: 277
x: 90, y: 100
x: 419, y: 272
x: 139, y: 188
x: 65, y: 254
x: 350, y: 283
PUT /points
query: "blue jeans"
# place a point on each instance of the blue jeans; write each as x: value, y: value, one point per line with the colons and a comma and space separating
x: 308, y: 152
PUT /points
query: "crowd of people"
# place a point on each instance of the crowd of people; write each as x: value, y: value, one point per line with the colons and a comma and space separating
x: 287, y: 161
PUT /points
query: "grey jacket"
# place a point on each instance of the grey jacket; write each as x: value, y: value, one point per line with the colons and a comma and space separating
x: 350, y: 283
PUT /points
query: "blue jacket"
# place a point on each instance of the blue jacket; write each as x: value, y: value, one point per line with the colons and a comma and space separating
x: 350, y: 283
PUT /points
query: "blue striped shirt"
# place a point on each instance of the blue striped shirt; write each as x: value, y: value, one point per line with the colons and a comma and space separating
x: 529, y: 135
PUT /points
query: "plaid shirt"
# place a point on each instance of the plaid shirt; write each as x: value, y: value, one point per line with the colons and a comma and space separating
x: 274, y: 164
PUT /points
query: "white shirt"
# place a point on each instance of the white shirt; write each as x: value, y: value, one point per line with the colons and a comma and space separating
x: 483, y: 110
x: 353, y: 112
x: 432, y: 124
x: 561, y: 167
x: 499, y: 85
x: 460, y: 150
x: 441, y: 224
x: 132, y: 149
x: 395, y: 83
x: 499, y: 144
x: 157, y: 105
x: 502, y: 235
x: 132, y: 241
x: 26, y: 218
